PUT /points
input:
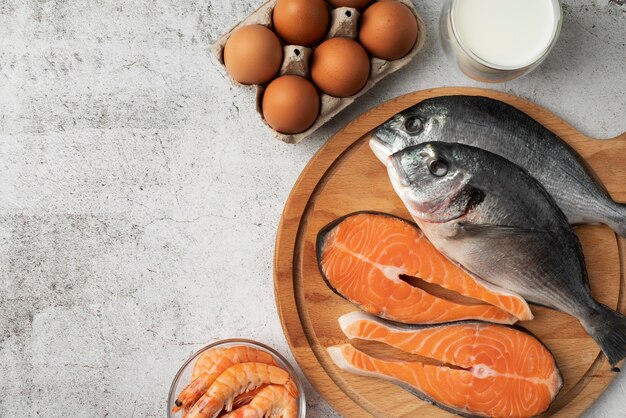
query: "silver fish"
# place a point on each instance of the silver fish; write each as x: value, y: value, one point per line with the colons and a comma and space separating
x: 502, y: 129
x: 498, y: 222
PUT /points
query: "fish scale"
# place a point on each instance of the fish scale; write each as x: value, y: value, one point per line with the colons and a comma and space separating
x: 506, y: 131
x: 514, y: 236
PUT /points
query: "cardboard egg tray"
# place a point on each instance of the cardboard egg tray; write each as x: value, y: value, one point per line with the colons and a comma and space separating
x: 343, y: 22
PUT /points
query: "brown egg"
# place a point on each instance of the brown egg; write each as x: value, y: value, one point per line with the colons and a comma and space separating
x: 388, y: 30
x: 301, y: 22
x: 253, y: 55
x: 340, y: 67
x: 357, y: 4
x: 290, y: 104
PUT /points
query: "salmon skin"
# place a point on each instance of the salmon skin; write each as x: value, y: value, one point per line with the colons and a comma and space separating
x: 506, y: 131
x: 493, y: 218
x: 488, y: 370
x: 362, y: 256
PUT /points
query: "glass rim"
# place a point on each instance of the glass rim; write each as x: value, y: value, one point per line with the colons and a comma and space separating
x: 558, y: 18
x: 287, y: 365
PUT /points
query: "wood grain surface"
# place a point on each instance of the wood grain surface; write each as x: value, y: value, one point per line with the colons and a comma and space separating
x: 343, y: 177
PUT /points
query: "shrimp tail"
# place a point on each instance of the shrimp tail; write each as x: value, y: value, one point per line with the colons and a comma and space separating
x: 292, y: 389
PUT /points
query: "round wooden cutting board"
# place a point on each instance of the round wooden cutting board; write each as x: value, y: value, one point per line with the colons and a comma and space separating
x: 344, y: 177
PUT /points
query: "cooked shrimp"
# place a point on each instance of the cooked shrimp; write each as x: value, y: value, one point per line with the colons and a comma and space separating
x: 236, y: 380
x: 216, y: 366
x: 246, y: 397
x: 194, y: 390
x: 273, y: 401
x: 206, y: 360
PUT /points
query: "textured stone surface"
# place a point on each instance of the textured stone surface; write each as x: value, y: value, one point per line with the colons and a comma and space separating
x: 140, y: 193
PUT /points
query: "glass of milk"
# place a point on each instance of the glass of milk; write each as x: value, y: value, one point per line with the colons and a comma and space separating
x: 499, y: 40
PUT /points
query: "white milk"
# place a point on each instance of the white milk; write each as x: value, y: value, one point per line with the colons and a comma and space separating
x: 505, y: 34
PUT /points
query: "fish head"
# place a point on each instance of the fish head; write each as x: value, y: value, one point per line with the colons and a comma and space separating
x: 429, y: 179
x: 420, y: 123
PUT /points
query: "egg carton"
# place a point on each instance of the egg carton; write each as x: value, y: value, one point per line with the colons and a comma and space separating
x: 344, y: 23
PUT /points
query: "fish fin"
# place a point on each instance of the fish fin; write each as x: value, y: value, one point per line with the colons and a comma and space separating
x: 495, y: 231
x: 608, y: 328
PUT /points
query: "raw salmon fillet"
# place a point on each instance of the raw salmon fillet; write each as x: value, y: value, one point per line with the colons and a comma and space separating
x: 363, y: 255
x: 490, y: 370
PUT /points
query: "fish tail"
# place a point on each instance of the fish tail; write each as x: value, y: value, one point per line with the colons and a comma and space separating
x: 610, y: 213
x: 617, y: 218
x: 608, y: 328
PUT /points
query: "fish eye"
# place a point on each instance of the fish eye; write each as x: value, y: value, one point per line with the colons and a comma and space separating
x: 438, y: 168
x: 413, y: 125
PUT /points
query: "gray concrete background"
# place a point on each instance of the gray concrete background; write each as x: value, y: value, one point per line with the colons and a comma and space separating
x: 140, y: 192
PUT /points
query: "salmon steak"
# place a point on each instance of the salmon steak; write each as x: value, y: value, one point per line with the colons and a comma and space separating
x: 482, y: 369
x: 364, y: 256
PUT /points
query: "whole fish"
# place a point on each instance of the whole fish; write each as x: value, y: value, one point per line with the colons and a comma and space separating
x: 499, y: 223
x: 502, y: 129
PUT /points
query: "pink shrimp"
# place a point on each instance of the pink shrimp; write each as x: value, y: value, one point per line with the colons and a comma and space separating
x: 227, y: 358
x: 246, y: 397
x: 273, y: 401
x: 243, y: 399
x: 206, y: 360
x: 236, y: 380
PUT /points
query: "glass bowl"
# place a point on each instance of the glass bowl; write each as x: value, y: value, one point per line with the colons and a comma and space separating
x: 477, y: 68
x: 183, y: 377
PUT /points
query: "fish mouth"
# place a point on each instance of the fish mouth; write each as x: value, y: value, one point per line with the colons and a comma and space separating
x: 396, y: 170
x: 379, y: 145
x: 379, y: 149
